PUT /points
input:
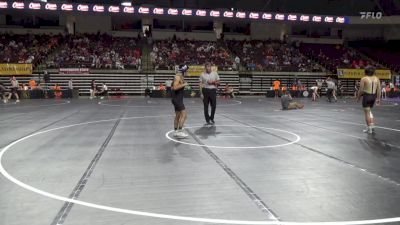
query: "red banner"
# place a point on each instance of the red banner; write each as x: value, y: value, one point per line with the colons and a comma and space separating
x: 74, y: 71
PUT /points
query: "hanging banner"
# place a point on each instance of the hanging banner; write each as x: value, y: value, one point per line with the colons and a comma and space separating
x: 196, y: 71
x: 11, y: 69
x: 360, y: 73
x: 74, y: 71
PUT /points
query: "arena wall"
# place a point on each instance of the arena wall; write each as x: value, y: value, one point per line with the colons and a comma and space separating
x: 386, y: 28
x: 195, y: 35
x: 392, y: 32
x: 20, y: 30
x: 358, y: 32
x: 90, y: 24
x: 2, y: 19
x: 261, y: 31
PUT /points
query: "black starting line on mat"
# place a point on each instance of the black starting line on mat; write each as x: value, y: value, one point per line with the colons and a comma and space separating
x: 249, y: 192
x: 323, y: 154
x: 66, y: 208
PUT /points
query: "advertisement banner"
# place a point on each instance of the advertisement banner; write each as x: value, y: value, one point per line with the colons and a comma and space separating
x: 11, y: 69
x: 74, y: 71
x: 360, y: 73
x: 197, y: 70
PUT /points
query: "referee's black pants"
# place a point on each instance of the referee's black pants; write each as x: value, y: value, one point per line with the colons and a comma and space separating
x: 329, y: 94
x: 210, y: 97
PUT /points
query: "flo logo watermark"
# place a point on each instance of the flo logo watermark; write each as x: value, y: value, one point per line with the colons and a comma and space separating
x: 372, y: 15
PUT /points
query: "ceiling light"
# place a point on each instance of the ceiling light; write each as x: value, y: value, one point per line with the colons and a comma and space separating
x: 126, y: 3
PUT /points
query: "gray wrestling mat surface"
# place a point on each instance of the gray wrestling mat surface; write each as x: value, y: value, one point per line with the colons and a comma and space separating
x: 86, y: 162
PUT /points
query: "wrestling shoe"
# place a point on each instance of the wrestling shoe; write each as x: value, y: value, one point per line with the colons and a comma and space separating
x: 368, y: 130
x: 182, y: 134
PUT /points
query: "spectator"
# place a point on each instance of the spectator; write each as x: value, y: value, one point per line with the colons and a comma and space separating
x: 139, y: 63
x: 228, y: 91
x: 335, y: 56
x: 162, y: 87
x: 179, y: 52
x: 277, y: 85
x: 103, y: 91
x: 383, y: 91
x: 168, y: 84
x: 32, y: 84
x: 356, y: 88
x: 237, y: 62
x: 26, y: 48
x: 57, y: 91
x: 287, y: 102
x: 119, y: 65
x: 70, y: 88
x: 96, y: 51
x: 93, y: 89
x: 14, y: 88
x: 3, y: 91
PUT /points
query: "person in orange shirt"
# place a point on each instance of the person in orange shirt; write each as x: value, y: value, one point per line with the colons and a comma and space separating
x: 57, y: 91
x: 32, y: 84
x: 277, y: 85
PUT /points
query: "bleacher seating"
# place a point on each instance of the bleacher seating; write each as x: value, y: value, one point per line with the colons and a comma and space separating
x: 128, y: 84
x: 96, y: 51
x: 386, y: 53
x: 136, y: 83
x: 265, y: 61
x: 270, y: 55
x: 168, y: 53
x: 27, y: 48
x: 333, y: 57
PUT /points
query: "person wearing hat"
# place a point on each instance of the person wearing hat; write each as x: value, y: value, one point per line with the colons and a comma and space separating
x: 370, y: 87
x: 177, y: 93
x: 209, y: 82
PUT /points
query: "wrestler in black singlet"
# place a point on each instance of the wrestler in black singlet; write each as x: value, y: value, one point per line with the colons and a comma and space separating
x: 177, y: 98
x: 369, y: 98
x: 371, y: 85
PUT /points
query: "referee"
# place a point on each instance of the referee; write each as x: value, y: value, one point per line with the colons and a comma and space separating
x: 209, y: 81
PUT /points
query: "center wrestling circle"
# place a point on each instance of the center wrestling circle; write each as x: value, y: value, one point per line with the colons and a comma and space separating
x: 4, y: 172
x: 168, y: 135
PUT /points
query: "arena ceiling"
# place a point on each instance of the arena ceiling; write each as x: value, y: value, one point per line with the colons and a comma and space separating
x: 332, y: 7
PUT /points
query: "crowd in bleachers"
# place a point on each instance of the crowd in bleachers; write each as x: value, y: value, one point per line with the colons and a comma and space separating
x: 103, y: 51
x: 386, y: 53
x: 231, y: 55
x: 270, y: 56
x: 26, y: 48
x: 387, y: 57
x: 100, y: 51
x: 333, y: 56
x: 166, y: 54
